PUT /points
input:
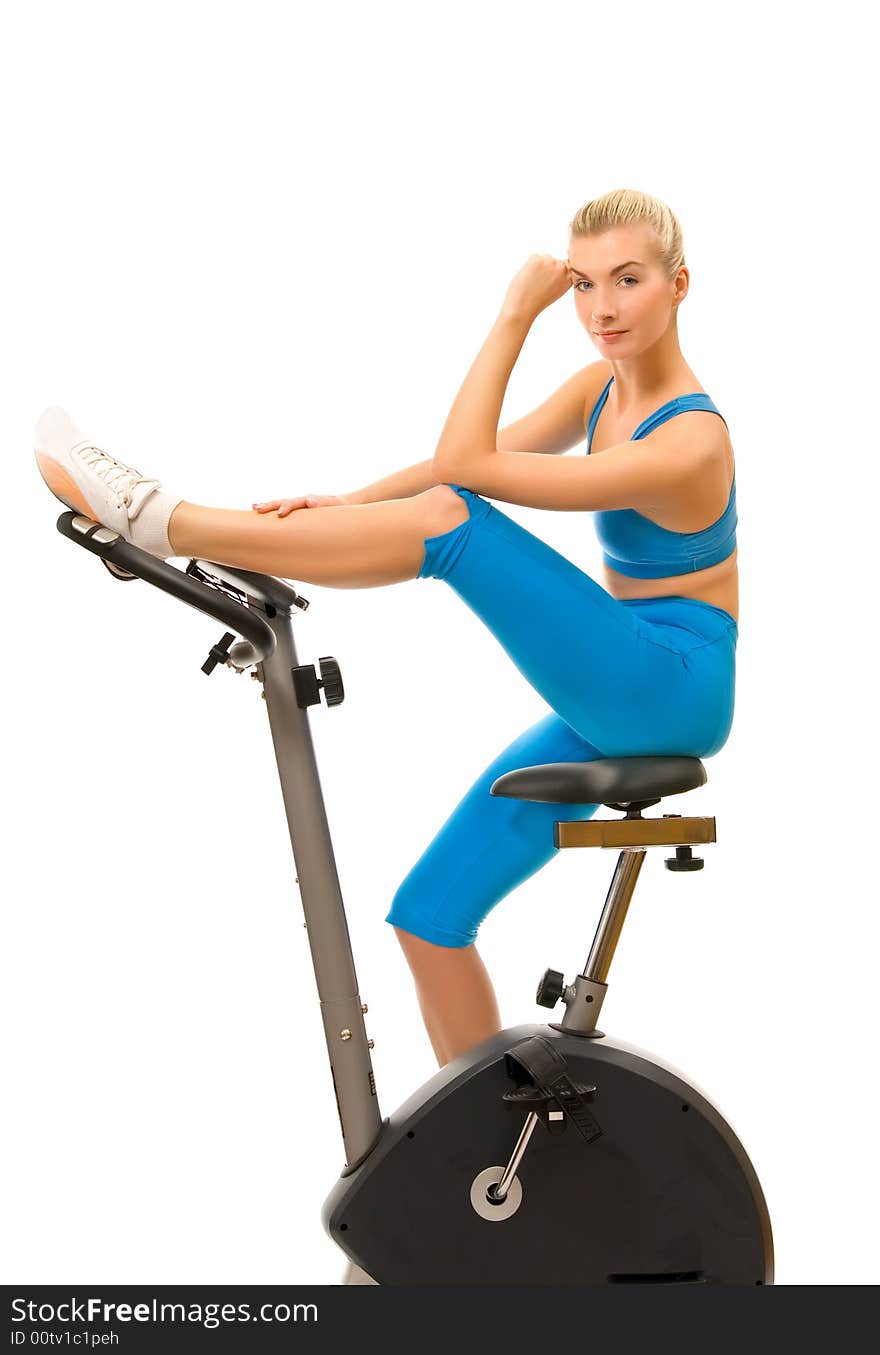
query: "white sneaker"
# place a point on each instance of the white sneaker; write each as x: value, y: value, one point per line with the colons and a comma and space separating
x: 91, y: 481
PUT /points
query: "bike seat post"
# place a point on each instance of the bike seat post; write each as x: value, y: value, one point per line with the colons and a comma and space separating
x: 623, y: 882
x: 589, y: 988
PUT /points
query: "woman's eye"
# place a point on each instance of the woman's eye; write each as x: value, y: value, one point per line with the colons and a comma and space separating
x: 586, y: 282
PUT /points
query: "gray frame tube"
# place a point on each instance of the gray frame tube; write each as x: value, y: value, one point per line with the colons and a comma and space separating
x: 323, y: 908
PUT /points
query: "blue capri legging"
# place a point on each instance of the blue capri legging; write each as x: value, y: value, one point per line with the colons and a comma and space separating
x: 623, y: 678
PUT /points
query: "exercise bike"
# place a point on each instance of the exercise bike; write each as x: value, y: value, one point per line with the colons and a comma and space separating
x: 548, y: 1154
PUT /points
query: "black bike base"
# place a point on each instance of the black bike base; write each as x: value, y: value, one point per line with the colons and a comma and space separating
x: 666, y: 1194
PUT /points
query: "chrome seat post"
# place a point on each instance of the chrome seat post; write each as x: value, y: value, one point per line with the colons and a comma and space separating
x: 583, y: 1000
x: 623, y: 882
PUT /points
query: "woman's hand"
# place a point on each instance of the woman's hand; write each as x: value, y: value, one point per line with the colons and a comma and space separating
x: 285, y: 506
x: 541, y: 281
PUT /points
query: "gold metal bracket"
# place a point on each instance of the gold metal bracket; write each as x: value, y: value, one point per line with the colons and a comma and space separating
x: 672, y: 830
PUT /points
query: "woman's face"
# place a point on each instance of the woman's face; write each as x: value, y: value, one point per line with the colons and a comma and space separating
x: 619, y: 285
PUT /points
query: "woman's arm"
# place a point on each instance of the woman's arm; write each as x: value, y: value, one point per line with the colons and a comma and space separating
x: 554, y: 427
x: 403, y: 484
x: 655, y: 470
x: 470, y: 433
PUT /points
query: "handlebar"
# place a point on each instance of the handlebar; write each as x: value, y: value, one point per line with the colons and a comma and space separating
x: 132, y: 562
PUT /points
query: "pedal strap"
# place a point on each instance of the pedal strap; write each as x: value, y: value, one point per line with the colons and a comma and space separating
x: 549, y: 1072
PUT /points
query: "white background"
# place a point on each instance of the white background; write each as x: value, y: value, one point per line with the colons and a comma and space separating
x: 253, y: 250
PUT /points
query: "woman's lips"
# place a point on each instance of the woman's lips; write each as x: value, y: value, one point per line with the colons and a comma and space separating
x: 611, y: 334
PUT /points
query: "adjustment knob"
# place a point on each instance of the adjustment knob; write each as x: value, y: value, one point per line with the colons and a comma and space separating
x: 684, y: 859
x: 550, y: 989
x: 219, y: 654
x: 331, y: 681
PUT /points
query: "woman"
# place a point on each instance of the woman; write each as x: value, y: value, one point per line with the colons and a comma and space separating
x: 644, y: 665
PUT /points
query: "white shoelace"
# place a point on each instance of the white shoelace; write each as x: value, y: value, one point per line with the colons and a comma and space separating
x: 122, y: 479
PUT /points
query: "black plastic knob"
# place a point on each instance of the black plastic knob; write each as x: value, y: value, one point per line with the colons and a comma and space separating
x: 331, y: 681
x: 550, y: 989
x: 684, y: 859
x: 219, y: 653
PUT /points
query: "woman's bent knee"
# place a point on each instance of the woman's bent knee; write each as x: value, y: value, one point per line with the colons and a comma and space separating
x: 447, y: 520
x: 445, y: 509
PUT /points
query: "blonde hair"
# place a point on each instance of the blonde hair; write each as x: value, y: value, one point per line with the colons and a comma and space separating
x: 626, y: 207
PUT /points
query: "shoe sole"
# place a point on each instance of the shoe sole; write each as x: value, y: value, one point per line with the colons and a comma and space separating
x: 64, y: 487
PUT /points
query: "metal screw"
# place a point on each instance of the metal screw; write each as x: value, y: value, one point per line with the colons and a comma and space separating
x: 364, y: 1007
x: 370, y: 1044
x: 345, y: 1034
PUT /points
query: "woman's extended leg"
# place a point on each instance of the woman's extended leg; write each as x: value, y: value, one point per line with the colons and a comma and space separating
x: 343, y: 546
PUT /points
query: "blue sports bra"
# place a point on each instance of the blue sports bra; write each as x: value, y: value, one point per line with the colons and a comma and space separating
x: 634, y: 545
